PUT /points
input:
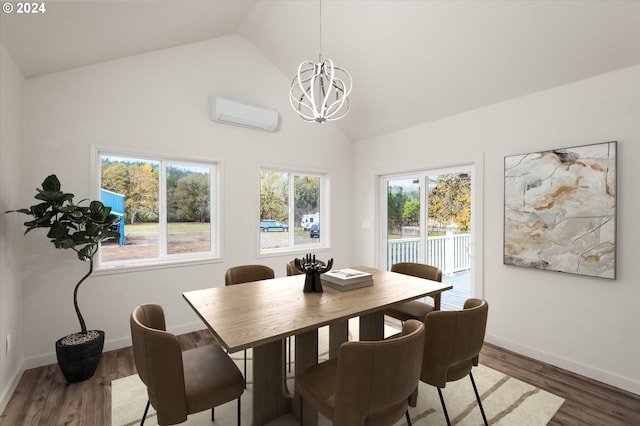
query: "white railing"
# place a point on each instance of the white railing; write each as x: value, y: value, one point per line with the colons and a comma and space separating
x: 450, y: 252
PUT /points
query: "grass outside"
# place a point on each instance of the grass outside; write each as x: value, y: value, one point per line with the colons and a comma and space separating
x: 141, y: 240
x: 173, y: 227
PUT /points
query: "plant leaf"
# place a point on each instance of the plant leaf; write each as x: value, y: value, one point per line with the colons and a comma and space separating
x: 85, y: 253
x: 51, y: 183
x: 57, y: 231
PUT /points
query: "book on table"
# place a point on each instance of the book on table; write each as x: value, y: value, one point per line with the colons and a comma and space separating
x: 347, y: 279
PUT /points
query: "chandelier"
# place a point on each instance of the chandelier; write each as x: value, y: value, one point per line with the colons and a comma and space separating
x: 320, y: 91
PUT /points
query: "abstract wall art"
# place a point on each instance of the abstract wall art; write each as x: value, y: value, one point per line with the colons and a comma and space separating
x: 560, y: 210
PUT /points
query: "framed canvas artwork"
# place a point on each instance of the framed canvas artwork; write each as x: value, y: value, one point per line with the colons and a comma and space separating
x: 560, y: 210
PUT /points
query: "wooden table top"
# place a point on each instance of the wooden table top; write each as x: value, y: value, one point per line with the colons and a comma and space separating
x: 246, y: 315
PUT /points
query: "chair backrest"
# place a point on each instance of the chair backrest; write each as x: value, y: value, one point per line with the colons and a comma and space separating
x: 292, y: 270
x: 419, y: 270
x: 376, y: 379
x: 453, y: 340
x: 247, y: 273
x: 158, y: 358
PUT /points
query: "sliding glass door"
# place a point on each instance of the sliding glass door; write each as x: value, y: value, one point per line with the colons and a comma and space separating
x: 427, y: 219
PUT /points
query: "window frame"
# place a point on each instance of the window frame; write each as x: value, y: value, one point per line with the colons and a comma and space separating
x: 325, y: 208
x: 164, y: 259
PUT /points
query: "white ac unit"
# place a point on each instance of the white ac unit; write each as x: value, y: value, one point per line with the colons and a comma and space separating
x: 239, y: 113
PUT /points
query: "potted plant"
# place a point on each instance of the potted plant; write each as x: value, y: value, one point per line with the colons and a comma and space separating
x: 81, y: 229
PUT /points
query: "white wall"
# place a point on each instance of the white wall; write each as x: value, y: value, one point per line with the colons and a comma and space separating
x: 160, y: 102
x: 11, y: 86
x: 587, y: 325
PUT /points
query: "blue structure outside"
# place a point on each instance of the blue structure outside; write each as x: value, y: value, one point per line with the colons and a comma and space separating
x: 116, y: 202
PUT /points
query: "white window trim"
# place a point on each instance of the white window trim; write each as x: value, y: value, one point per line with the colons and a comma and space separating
x: 325, y: 211
x: 173, y: 260
x: 477, y: 208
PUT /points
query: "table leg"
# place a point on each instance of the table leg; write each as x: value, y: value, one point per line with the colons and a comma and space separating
x: 437, y: 301
x: 271, y: 398
x: 306, y: 356
x: 338, y: 334
x: 372, y: 326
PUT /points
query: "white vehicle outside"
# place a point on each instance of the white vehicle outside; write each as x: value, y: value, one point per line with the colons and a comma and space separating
x: 308, y: 220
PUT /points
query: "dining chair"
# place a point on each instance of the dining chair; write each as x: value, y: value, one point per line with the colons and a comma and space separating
x: 369, y: 382
x: 415, y: 309
x: 180, y: 383
x: 452, y: 344
x: 244, y: 274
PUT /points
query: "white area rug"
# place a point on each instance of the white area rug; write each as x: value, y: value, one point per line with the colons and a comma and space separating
x: 506, y: 401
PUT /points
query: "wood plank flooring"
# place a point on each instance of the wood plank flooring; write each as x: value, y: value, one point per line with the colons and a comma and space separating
x: 43, y: 397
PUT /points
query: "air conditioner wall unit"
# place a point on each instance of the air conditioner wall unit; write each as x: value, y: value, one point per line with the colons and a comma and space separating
x: 238, y: 113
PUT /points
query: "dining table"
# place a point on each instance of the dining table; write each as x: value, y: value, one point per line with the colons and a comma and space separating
x: 262, y: 314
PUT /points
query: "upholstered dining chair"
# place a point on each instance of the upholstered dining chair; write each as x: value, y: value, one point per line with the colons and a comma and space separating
x: 415, y: 309
x: 452, y: 344
x: 180, y: 383
x: 369, y: 383
x: 244, y: 274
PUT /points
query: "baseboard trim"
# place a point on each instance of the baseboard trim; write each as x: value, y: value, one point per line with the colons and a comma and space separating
x: 603, y: 376
x: 109, y: 345
x: 6, y: 394
x: 607, y: 377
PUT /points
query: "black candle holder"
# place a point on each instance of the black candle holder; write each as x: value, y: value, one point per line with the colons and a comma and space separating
x: 312, y: 270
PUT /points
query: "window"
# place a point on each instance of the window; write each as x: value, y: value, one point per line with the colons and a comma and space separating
x: 167, y: 209
x: 290, y: 210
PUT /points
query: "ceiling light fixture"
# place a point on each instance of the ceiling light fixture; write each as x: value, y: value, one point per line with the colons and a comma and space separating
x: 320, y: 91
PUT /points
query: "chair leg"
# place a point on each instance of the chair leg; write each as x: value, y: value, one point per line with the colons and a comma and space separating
x: 406, y: 414
x: 245, y: 368
x: 444, y: 407
x: 475, y: 389
x: 238, y: 411
x: 213, y: 414
x: 289, y: 348
x: 144, y: 416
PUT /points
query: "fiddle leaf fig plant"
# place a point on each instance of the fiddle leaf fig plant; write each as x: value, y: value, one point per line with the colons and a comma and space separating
x: 80, y: 228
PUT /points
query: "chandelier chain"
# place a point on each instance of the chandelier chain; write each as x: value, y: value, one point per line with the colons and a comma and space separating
x: 320, y: 50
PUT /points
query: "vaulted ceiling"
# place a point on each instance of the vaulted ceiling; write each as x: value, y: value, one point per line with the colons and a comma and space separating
x: 411, y: 61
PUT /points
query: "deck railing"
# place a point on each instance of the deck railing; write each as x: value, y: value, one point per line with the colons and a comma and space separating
x: 450, y: 252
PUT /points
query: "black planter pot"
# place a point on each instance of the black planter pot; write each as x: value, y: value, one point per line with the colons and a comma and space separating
x: 79, y: 361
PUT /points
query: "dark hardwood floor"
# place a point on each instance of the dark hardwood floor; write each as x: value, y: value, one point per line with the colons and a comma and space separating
x: 43, y: 397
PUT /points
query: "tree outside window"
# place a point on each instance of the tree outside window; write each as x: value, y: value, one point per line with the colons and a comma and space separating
x: 167, y: 212
x: 290, y: 204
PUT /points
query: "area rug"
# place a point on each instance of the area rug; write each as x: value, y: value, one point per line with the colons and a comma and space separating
x: 507, y: 401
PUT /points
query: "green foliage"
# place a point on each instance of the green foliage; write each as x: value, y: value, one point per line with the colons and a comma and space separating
x: 450, y: 201
x: 189, y: 200
x: 188, y: 192
x: 307, y: 196
x: 115, y: 177
x: 396, y: 199
x: 71, y: 226
x: 274, y: 195
x: 138, y: 182
x: 412, y: 212
x: 141, y: 198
